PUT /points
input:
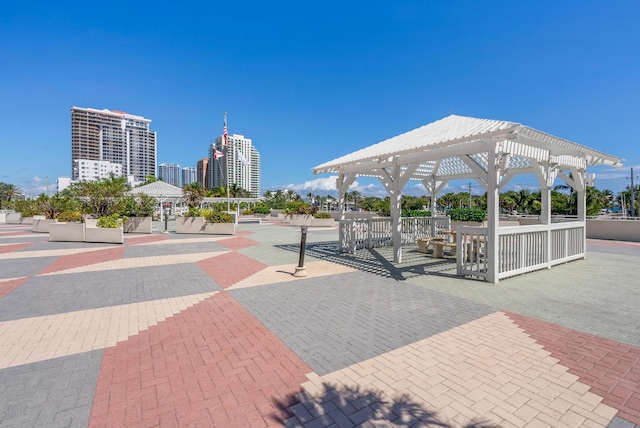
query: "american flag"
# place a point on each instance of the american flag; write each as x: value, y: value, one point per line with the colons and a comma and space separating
x: 225, y: 135
x: 217, y: 154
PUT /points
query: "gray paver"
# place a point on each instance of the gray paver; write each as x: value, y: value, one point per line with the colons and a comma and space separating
x: 616, y: 422
x: 133, y: 251
x: 354, y: 317
x: 55, y: 294
x: 56, y: 392
x: 14, y: 268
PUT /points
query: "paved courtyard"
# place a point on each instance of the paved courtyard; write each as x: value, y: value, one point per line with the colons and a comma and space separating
x: 185, y: 330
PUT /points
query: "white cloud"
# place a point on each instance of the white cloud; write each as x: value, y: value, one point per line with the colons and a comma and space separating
x: 325, y: 184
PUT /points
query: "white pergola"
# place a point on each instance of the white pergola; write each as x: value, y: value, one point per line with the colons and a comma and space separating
x: 490, y: 152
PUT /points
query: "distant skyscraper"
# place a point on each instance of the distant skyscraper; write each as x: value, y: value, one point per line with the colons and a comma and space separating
x: 203, y: 172
x: 169, y: 173
x: 189, y: 175
x: 114, y: 136
x: 241, y: 161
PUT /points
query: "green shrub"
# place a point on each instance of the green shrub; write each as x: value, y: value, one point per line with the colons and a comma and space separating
x: 322, y: 215
x: 27, y: 208
x: 247, y: 212
x: 70, y: 216
x: 112, y: 221
x: 212, y: 216
x: 261, y: 209
x: 194, y: 212
x: 467, y: 214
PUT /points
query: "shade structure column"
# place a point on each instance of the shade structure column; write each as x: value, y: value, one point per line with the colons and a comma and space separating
x: 492, y: 246
x: 343, y: 182
x: 433, y: 187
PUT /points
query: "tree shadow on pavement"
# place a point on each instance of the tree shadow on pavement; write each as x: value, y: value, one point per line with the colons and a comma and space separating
x: 345, y: 406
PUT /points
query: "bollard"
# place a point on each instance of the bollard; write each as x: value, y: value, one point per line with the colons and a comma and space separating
x: 166, y: 221
x: 301, y: 271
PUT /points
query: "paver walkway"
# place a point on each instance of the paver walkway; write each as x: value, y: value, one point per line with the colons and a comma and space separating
x: 183, y: 330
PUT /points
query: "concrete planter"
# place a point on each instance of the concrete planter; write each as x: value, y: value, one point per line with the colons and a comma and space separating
x: 190, y: 225
x: 14, y: 218
x: 301, y: 220
x: 109, y: 235
x: 323, y: 222
x: 220, y: 228
x: 138, y: 225
x: 41, y: 225
x: 66, y: 232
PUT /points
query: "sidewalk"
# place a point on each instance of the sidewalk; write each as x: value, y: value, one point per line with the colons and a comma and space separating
x: 185, y: 330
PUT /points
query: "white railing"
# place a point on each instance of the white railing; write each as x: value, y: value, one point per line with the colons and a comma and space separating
x: 521, y: 249
x: 355, y: 234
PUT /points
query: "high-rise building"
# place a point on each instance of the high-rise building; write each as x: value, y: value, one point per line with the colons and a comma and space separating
x: 91, y: 170
x: 114, y: 136
x: 189, y: 175
x: 169, y: 173
x: 203, y: 172
x: 240, y: 164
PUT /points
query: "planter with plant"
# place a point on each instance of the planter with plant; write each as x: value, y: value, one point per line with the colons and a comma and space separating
x: 218, y: 223
x: 466, y: 217
x: 68, y: 228
x: 139, y: 211
x: 109, y: 230
x: 322, y: 219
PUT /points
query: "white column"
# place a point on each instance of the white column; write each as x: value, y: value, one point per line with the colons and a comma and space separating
x: 396, y: 213
x: 492, y: 217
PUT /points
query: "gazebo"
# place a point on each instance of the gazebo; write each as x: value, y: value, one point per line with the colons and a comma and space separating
x: 491, y: 152
x: 164, y: 193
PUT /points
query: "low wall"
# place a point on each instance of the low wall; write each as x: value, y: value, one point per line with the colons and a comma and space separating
x: 615, y: 230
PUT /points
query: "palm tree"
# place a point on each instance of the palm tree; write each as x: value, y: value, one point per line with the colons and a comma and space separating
x: 355, y: 196
x: 311, y: 197
x: 290, y: 195
x: 8, y: 193
x: 193, y: 194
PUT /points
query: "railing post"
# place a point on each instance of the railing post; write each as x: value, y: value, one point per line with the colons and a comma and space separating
x: 369, y: 238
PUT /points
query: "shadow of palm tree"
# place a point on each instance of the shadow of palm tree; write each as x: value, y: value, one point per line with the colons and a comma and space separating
x: 346, y: 406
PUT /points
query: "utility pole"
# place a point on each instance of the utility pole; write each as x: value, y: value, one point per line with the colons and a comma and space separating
x: 633, y: 199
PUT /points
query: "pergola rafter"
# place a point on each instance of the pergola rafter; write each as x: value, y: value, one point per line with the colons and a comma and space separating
x: 491, y: 152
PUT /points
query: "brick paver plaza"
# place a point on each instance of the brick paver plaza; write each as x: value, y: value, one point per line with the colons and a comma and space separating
x: 186, y: 330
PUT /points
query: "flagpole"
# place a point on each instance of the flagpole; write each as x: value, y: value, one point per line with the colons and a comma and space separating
x: 225, y: 143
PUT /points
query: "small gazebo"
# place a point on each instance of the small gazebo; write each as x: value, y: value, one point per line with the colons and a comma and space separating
x: 165, y: 193
x: 491, y: 152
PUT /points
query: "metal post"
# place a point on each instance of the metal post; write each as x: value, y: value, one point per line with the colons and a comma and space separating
x: 166, y: 220
x: 633, y: 197
x: 301, y: 271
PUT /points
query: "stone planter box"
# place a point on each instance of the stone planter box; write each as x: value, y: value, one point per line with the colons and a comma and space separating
x: 301, y: 220
x: 190, y: 225
x: 41, y: 225
x: 14, y: 218
x: 138, y: 225
x: 220, y: 228
x: 323, y: 222
x: 109, y: 235
x: 66, y: 232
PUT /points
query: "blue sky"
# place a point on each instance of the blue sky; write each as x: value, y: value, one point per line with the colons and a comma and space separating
x: 311, y: 81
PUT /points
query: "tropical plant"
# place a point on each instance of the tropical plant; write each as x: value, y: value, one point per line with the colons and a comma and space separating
x: 112, y: 221
x: 322, y: 214
x: 193, y: 194
x: 70, y: 216
x: 8, y: 193
x: 467, y: 214
x: 140, y: 205
x: 214, y: 216
x: 101, y: 197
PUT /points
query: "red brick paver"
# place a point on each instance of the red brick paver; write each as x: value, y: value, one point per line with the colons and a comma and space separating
x: 213, y: 364
x: 7, y: 287
x: 136, y: 240
x: 237, y: 243
x: 84, y: 259
x: 612, y: 369
x: 228, y: 269
x: 13, y: 247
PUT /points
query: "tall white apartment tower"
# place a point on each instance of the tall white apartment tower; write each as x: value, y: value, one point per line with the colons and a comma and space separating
x: 169, y: 173
x: 189, y: 175
x: 240, y: 164
x: 114, y: 136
